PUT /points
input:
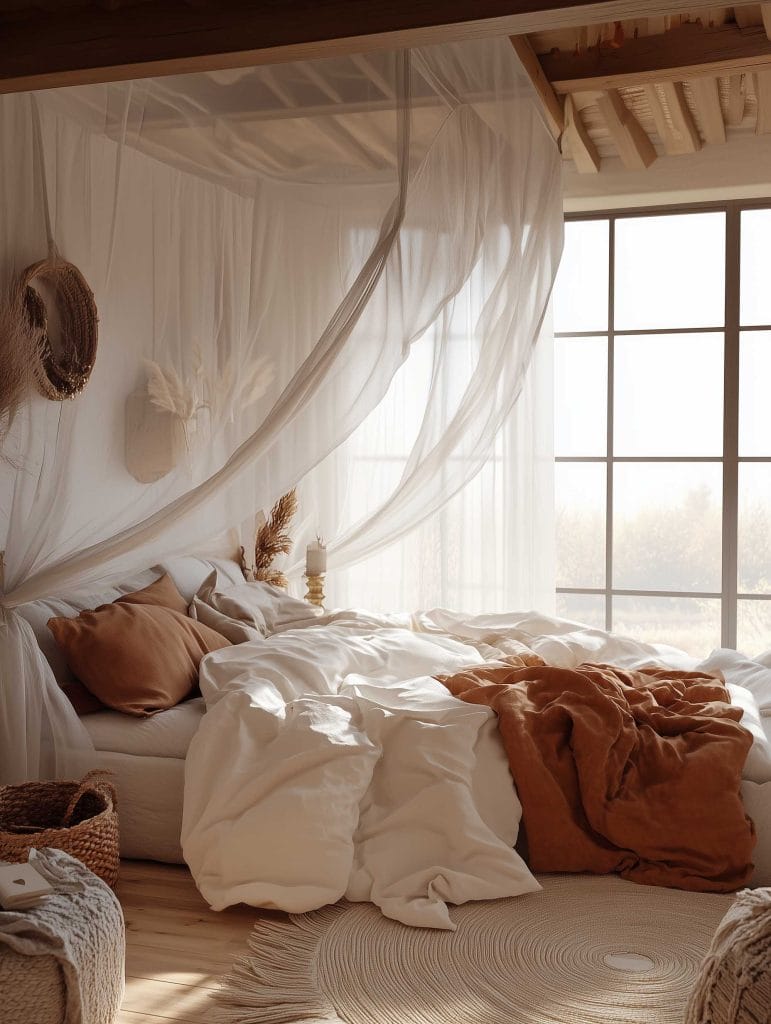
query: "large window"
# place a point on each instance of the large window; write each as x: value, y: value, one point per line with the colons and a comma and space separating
x: 663, y: 425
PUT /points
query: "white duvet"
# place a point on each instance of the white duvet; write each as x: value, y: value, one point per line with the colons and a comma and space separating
x: 331, y: 764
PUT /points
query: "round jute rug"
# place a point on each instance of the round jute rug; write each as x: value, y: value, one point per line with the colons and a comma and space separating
x: 585, y: 950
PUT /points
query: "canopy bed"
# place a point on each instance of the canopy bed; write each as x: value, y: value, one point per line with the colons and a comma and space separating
x: 265, y: 246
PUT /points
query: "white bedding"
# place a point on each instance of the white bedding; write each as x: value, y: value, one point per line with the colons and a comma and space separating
x: 331, y: 764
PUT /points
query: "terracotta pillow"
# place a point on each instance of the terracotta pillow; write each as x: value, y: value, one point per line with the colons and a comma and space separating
x: 163, y: 593
x: 135, y: 658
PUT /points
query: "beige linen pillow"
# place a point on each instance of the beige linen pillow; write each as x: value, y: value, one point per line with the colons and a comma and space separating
x: 134, y: 657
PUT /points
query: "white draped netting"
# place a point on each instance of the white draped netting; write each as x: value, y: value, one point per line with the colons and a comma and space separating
x: 304, y: 223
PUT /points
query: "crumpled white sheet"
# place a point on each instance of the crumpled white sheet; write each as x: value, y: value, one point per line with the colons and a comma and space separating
x: 331, y: 764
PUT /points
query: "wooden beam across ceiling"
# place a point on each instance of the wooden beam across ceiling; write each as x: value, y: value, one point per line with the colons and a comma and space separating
x: 763, y: 94
x: 678, y: 132
x: 49, y: 43
x: 551, y: 106
x: 634, y: 147
x: 682, y: 53
x: 706, y: 99
x: 582, y: 149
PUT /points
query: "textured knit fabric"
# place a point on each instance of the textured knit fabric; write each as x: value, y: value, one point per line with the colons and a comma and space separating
x: 73, y: 945
x: 734, y: 985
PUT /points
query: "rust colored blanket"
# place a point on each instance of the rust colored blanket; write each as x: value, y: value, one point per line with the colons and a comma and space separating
x: 620, y: 771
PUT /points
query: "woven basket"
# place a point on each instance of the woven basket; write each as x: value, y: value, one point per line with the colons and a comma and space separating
x: 80, y: 818
x: 63, y: 376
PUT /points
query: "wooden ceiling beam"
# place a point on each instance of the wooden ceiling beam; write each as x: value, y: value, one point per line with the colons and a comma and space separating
x: 706, y: 98
x: 634, y: 147
x: 77, y: 42
x: 765, y: 13
x: 551, y: 106
x: 763, y: 93
x: 686, y: 52
x: 736, y: 100
x: 582, y: 149
x: 678, y: 132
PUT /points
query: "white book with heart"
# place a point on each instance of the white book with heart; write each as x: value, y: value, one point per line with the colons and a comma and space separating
x: 21, y: 886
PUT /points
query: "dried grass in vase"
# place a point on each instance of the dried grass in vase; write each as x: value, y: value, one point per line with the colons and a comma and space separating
x: 273, y: 540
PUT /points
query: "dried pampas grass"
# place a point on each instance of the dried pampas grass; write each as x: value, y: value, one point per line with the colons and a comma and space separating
x: 167, y: 392
x: 19, y: 356
x: 272, y: 540
x: 233, y: 389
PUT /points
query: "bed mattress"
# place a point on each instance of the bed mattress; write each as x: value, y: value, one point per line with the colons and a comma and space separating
x: 146, y: 757
x: 147, y: 760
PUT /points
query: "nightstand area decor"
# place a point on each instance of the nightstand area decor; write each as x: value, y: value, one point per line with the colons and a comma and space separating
x: 315, y: 570
x: 80, y: 818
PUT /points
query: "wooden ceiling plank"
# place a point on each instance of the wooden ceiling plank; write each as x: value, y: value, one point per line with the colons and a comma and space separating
x: 278, y: 90
x: 634, y: 147
x: 678, y: 133
x: 552, y: 108
x: 736, y: 100
x: 686, y: 52
x: 684, y: 127
x: 83, y: 42
x: 765, y: 13
x: 748, y: 15
x: 371, y: 72
x: 310, y: 72
x: 706, y: 97
x: 763, y: 93
x: 582, y: 149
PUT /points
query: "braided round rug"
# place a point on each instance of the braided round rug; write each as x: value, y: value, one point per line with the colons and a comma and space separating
x: 585, y: 950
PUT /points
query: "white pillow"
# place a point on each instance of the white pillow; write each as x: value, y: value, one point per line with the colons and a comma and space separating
x: 247, y: 611
x: 222, y: 610
x: 757, y: 767
x: 741, y: 671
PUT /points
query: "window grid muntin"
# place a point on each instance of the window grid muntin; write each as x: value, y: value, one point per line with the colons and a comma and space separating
x: 730, y: 459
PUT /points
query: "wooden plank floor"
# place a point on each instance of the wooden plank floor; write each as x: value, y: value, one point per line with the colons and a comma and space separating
x: 176, y: 948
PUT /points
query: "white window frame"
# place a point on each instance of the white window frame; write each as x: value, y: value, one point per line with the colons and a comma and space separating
x: 730, y: 459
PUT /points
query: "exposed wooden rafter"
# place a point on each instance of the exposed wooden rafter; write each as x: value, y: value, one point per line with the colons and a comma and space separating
x: 80, y: 41
x: 687, y: 52
x: 678, y: 132
x: 552, y: 107
x: 582, y: 149
x: 706, y: 97
x: 737, y: 94
x: 634, y: 147
x: 763, y: 94
x: 765, y: 14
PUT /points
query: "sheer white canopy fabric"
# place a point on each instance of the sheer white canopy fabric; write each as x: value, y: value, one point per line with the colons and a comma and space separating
x: 303, y: 224
x: 490, y: 546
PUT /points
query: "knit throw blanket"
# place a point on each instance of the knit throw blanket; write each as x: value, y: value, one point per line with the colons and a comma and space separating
x: 81, y: 926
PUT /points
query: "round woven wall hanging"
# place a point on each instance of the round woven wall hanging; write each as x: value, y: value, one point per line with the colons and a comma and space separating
x: 62, y: 374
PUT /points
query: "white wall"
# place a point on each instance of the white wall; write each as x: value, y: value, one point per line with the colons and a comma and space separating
x: 737, y: 169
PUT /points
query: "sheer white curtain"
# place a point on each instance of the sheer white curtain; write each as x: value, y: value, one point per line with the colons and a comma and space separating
x: 321, y: 218
x: 489, y: 548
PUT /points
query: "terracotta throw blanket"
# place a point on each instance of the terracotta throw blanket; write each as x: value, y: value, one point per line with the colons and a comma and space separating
x: 618, y: 771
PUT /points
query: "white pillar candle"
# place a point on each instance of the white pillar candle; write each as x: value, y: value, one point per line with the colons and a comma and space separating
x: 316, y: 558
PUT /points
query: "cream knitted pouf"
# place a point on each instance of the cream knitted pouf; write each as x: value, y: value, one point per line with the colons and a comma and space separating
x: 62, y: 962
x: 734, y: 985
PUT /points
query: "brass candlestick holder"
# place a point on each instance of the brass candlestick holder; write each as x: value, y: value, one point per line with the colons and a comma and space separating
x: 315, y: 593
